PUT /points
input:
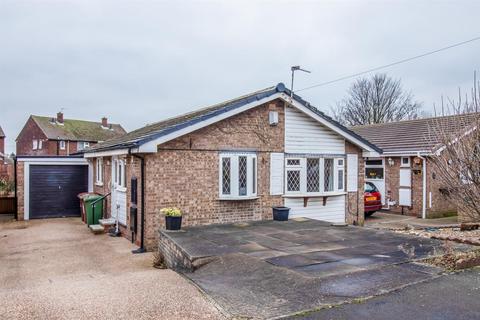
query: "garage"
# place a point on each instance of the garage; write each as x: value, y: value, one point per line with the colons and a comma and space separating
x: 51, y: 185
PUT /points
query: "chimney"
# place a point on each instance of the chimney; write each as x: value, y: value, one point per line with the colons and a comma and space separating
x: 104, y: 122
x: 60, y: 117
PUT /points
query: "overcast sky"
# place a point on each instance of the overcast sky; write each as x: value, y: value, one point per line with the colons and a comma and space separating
x: 141, y: 61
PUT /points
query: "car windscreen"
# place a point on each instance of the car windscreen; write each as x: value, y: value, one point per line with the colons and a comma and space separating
x: 370, y: 187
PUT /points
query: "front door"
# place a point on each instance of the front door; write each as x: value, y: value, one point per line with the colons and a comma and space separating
x: 119, y: 191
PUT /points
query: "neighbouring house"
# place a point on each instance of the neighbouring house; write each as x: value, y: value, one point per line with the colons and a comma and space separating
x: 56, y: 136
x: 232, y: 162
x: 404, y: 173
x: 6, y: 162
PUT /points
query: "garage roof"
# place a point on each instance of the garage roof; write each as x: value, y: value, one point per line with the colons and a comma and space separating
x: 419, y: 135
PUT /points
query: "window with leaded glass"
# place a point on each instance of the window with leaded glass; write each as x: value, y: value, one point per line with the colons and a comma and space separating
x: 313, y: 175
x: 238, y: 175
x: 293, y: 180
x: 226, y: 181
x: 242, y: 176
x: 328, y: 174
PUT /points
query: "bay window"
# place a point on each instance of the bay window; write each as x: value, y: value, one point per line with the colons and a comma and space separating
x: 310, y: 175
x: 238, y: 175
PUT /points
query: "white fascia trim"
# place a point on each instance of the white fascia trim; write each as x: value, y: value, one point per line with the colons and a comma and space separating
x: 405, y: 153
x: 371, y: 154
x: 53, y: 160
x: 326, y: 123
x: 47, y: 161
x: 151, y: 146
x: 107, y: 153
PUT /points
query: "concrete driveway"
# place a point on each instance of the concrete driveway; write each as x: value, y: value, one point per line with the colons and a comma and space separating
x: 269, y: 269
x: 57, y: 269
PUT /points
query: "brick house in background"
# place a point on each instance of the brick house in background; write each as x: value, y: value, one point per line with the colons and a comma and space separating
x: 232, y: 162
x: 404, y: 172
x: 53, y: 136
x: 6, y: 163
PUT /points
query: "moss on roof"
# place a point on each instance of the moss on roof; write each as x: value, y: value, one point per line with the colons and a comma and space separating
x: 77, y: 130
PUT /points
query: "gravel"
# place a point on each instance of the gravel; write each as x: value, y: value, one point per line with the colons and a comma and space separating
x: 57, y: 269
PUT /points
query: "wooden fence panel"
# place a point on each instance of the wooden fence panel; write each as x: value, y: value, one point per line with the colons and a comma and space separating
x: 7, y: 205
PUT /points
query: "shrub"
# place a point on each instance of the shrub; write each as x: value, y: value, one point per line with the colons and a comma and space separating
x: 171, y: 212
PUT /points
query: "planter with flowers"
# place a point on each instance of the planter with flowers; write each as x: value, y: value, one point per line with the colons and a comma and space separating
x: 173, y: 218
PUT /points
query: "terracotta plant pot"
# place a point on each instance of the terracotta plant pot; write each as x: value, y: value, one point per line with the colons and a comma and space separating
x: 173, y: 223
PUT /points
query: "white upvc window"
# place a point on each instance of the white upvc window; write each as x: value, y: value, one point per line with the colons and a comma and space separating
x: 99, y: 171
x: 314, y: 175
x: 237, y: 175
x: 34, y: 144
x: 82, y: 145
x: 405, y: 162
x: 119, y: 174
x: 62, y: 144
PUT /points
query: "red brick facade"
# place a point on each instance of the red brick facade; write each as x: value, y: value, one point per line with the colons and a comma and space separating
x: 437, y: 203
x: 31, y: 131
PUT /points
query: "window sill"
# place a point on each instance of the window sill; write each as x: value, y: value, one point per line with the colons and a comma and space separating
x: 121, y: 189
x: 99, y: 184
x: 313, y: 195
x: 238, y: 198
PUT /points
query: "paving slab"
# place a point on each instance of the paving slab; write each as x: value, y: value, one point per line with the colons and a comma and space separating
x: 270, y: 269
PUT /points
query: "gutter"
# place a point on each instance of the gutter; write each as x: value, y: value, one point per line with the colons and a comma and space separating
x: 424, y: 186
x: 142, y: 211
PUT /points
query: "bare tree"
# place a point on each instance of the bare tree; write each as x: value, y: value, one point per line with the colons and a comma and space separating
x: 378, y: 99
x: 456, y: 160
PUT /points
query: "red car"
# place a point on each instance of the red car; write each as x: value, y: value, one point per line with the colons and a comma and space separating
x: 372, y: 199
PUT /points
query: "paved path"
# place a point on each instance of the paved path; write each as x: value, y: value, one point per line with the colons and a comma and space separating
x: 57, y: 269
x: 384, y: 220
x: 451, y: 297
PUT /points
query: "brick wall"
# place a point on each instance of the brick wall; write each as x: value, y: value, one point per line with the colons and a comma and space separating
x: 20, y: 191
x: 184, y: 172
x: 30, y: 132
x: 440, y: 203
x: 354, y: 213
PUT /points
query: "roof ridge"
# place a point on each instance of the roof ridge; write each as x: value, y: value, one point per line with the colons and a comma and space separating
x: 69, y: 119
x: 209, y: 106
x: 412, y: 120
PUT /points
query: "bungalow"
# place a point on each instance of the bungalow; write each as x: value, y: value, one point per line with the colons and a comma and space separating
x: 232, y: 162
x: 404, y: 172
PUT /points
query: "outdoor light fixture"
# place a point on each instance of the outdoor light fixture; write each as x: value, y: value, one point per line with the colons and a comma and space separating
x: 391, y: 162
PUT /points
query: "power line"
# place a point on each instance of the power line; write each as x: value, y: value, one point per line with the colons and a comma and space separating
x: 389, y: 65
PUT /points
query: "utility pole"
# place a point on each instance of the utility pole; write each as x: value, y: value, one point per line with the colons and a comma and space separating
x: 295, y: 68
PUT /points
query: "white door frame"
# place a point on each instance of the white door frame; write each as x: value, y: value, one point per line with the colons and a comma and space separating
x: 27, y: 162
x: 379, y: 183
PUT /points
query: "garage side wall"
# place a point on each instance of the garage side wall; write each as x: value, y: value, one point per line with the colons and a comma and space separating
x: 20, y: 190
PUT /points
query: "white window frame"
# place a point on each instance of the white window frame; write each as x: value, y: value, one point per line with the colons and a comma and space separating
x: 99, y: 172
x: 252, y: 175
x: 40, y: 144
x: 82, y: 145
x: 35, y: 144
x: 62, y: 145
x: 405, y: 165
x: 338, y: 166
x: 119, y: 175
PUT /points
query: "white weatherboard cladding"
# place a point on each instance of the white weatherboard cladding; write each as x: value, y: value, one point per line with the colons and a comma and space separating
x: 303, y: 134
x: 121, y: 201
x: 333, y: 211
x: 405, y: 197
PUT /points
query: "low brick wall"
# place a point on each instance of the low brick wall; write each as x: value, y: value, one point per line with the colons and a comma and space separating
x: 173, y: 256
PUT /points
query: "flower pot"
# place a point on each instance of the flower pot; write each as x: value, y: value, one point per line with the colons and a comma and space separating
x: 173, y: 223
x: 280, y: 213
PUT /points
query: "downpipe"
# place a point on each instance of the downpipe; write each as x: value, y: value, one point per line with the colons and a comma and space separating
x: 424, y: 185
x: 142, y: 211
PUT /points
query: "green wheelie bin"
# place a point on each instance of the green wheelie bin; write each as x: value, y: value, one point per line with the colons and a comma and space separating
x: 93, y: 217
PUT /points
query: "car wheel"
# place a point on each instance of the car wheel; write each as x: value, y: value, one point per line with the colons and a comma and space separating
x: 369, y: 213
